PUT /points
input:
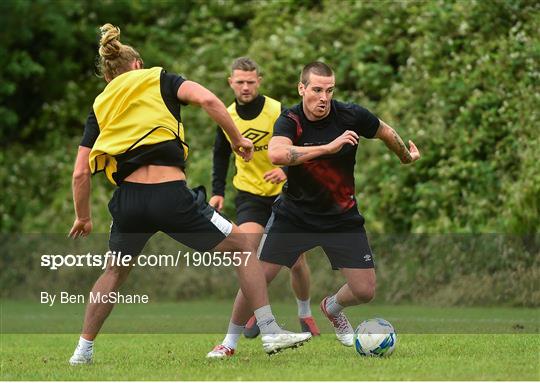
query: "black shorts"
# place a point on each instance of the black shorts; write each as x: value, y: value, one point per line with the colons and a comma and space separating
x: 141, y: 210
x: 284, y: 241
x: 253, y: 208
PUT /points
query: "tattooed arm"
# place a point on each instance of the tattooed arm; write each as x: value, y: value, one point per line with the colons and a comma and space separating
x: 394, y: 142
x: 283, y: 153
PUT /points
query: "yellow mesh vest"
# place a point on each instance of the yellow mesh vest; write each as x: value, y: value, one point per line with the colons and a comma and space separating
x: 249, y: 175
x: 131, y: 112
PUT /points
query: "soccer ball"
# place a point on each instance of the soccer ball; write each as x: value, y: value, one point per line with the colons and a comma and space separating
x: 375, y: 337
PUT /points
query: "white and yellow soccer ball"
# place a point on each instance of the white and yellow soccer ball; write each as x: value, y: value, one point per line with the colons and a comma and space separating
x: 375, y: 337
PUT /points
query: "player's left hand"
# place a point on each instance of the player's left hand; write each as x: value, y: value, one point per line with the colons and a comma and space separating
x: 275, y: 176
x: 81, y: 228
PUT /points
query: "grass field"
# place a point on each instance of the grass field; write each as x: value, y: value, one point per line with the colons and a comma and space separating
x: 508, y: 347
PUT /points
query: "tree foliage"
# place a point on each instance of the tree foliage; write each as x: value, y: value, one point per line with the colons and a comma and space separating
x: 460, y: 78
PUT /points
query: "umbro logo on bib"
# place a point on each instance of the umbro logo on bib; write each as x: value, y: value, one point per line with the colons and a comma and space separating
x: 254, y: 135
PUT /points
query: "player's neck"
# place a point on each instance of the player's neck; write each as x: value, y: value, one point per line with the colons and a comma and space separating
x: 252, y: 109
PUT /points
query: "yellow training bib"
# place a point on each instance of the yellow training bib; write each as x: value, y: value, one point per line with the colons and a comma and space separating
x: 249, y: 175
x: 131, y: 112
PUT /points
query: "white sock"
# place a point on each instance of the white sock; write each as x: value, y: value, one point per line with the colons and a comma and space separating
x: 304, y: 308
x: 85, y: 346
x: 332, y: 306
x: 266, y: 321
x: 233, y: 334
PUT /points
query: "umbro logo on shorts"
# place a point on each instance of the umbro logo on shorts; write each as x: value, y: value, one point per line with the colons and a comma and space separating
x: 254, y: 135
x: 367, y: 257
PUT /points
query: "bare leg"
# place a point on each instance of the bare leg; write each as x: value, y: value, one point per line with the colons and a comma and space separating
x: 300, y: 278
x: 300, y: 270
x: 360, y: 287
x: 253, y: 297
x: 250, y: 273
x: 97, y: 312
x: 254, y: 232
x: 242, y: 310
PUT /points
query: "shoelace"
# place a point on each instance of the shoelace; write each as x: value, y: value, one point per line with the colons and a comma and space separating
x: 341, y: 323
x: 223, y: 348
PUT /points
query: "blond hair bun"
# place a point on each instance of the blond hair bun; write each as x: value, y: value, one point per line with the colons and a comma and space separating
x: 109, y: 45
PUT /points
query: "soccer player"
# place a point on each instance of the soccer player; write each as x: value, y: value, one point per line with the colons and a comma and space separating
x: 135, y: 135
x: 317, y: 139
x: 258, y: 182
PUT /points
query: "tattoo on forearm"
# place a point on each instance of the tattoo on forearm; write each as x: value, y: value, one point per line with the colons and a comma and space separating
x: 293, y: 156
x: 401, y: 149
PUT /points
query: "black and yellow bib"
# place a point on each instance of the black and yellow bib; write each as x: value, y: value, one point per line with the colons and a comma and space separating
x: 249, y: 175
x: 131, y: 112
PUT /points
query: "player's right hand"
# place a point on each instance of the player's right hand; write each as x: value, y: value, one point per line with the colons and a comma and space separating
x: 80, y: 228
x: 244, y: 148
x: 217, y: 202
x: 415, y: 153
x: 348, y: 137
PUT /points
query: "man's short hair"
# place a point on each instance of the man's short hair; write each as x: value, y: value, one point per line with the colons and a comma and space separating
x: 245, y: 64
x: 317, y: 68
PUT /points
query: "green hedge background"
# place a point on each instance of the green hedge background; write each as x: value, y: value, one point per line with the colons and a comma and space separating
x: 460, y: 78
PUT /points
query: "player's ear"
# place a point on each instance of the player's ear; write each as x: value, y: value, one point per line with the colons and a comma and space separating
x: 229, y: 79
x: 301, y: 89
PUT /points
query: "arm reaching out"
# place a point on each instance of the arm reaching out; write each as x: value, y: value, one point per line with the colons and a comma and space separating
x: 81, y: 185
x: 282, y: 152
x: 394, y: 142
x: 194, y: 93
